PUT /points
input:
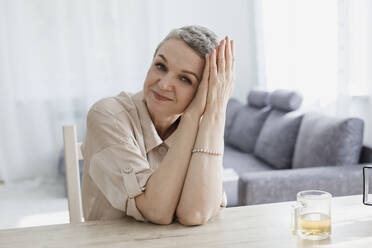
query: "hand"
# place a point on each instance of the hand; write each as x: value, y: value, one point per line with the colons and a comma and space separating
x: 221, y: 77
x: 197, y: 105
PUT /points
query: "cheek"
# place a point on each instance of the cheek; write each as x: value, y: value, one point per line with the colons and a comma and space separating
x: 147, y: 84
x: 150, y: 79
x: 185, y: 95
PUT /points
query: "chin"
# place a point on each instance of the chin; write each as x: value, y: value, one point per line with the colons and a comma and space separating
x: 154, y: 107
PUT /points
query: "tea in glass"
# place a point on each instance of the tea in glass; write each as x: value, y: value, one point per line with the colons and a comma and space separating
x: 311, y: 217
x: 316, y: 225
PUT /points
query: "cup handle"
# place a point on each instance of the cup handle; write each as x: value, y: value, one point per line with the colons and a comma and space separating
x: 366, y: 186
x: 296, y: 209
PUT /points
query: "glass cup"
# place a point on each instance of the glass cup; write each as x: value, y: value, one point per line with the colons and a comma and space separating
x: 311, y: 215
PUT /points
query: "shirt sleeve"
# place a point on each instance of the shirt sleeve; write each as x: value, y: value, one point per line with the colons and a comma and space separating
x: 118, y: 167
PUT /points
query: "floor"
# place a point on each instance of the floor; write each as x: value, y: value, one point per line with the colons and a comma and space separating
x: 33, y: 203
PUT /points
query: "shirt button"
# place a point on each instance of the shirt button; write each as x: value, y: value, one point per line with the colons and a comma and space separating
x: 128, y: 170
x: 162, y: 150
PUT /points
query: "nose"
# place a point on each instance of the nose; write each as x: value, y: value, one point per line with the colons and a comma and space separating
x: 165, y: 83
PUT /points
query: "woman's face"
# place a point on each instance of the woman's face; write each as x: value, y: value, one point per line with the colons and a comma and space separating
x: 172, y: 79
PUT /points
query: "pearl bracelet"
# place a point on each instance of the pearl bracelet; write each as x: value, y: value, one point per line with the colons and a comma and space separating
x: 210, y: 152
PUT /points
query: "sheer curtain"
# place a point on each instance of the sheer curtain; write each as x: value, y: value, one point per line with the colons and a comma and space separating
x: 321, y: 49
x: 58, y: 57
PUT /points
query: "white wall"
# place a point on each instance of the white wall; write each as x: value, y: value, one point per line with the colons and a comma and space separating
x: 59, y: 57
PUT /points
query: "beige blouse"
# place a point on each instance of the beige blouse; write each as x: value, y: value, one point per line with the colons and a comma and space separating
x: 121, y: 150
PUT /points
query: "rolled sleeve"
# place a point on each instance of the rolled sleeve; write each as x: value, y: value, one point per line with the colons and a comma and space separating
x: 121, y: 174
x: 117, y: 165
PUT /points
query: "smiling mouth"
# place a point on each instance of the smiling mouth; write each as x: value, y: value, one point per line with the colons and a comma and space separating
x: 160, y: 97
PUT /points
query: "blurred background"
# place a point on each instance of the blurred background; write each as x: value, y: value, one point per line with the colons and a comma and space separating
x: 59, y: 57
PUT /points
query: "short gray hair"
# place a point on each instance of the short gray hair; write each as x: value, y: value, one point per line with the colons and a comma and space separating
x: 201, y: 39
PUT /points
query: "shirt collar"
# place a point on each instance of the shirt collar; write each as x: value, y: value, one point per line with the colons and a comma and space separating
x: 169, y: 141
x: 150, y: 135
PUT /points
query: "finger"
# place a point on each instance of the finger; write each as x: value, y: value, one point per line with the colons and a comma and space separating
x: 221, y: 58
x: 213, y: 64
x: 212, y: 75
x: 227, y: 41
x: 205, y: 77
x: 228, y: 55
x: 232, y: 50
x: 202, y: 91
x: 233, y: 58
x: 217, y: 48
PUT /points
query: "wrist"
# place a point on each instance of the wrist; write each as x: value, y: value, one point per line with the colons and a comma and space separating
x: 190, y: 117
x: 215, y: 114
x: 213, y: 119
x: 216, y: 109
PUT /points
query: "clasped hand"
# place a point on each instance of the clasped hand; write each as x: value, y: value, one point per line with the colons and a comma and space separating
x: 216, y: 85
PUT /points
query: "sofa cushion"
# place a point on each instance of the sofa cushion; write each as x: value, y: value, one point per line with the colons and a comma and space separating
x: 283, y: 185
x: 232, y: 109
x: 325, y: 140
x: 258, y: 98
x: 242, y: 162
x: 277, y: 139
x: 246, y: 127
x: 285, y: 100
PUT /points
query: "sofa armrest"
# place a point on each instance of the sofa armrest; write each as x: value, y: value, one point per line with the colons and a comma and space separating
x: 283, y: 185
x: 365, y: 155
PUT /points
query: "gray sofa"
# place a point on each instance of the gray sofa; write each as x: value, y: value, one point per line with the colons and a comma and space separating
x: 277, y: 150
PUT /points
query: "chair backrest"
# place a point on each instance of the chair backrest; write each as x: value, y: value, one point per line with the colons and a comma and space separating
x: 72, y: 156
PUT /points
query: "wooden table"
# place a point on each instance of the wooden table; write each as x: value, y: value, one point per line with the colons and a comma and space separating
x: 266, y: 225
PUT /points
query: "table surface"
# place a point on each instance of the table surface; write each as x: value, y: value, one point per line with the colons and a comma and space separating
x: 266, y: 225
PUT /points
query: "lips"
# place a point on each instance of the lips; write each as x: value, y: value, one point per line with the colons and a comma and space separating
x: 160, y: 97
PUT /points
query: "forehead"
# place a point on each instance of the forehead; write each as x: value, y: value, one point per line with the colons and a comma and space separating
x: 179, y: 54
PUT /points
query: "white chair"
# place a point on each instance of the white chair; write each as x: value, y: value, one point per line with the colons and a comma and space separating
x: 72, y: 156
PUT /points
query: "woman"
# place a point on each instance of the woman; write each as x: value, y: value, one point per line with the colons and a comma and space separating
x: 151, y: 155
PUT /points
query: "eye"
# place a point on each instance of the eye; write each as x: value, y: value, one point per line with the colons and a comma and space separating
x: 186, y: 80
x: 161, y: 66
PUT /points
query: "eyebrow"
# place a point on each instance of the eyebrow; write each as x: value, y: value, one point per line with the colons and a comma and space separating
x: 184, y: 71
